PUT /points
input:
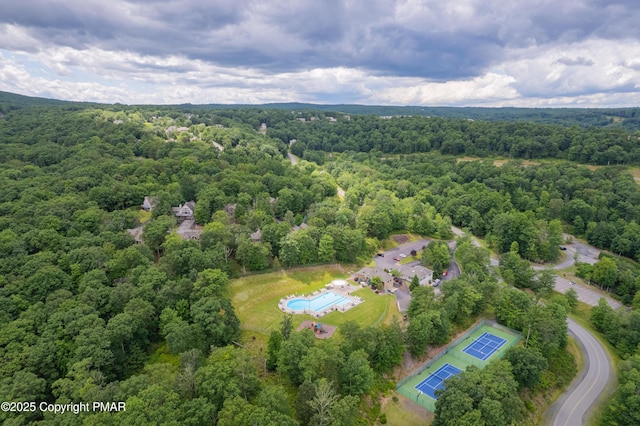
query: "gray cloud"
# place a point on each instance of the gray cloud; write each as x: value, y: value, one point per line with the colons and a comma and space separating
x: 439, y: 40
x: 576, y: 61
x: 383, y: 39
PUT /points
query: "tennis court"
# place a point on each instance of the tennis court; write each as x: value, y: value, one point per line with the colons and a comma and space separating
x: 417, y: 386
x: 484, y: 346
x: 436, y: 380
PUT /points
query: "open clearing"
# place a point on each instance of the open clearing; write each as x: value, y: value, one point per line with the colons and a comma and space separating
x: 255, y: 299
x: 499, y: 162
x: 635, y: 172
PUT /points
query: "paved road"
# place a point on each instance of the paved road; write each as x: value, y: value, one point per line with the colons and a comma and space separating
x: 586, y: 254
x: 476, y: 242
x: 293, y: 159
x: 574, y: 405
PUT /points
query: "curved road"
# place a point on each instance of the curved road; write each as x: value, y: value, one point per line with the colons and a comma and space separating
x: 574, y: 405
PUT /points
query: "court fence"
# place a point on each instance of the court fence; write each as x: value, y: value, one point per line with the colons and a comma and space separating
x: 442, y: 353
x: 465, y: 358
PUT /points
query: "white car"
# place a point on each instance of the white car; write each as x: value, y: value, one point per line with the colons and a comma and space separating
x: 402, y: 255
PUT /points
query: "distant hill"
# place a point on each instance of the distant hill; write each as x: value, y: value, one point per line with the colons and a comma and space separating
x: 627, y: 118
x: 23, y: 101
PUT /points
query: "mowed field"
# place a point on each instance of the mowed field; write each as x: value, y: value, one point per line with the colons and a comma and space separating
x: 635, y: 172
x: 499, y: 162
x: 255, y: 299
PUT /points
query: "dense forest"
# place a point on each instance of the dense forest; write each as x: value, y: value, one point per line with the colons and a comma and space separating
x: 626, y: 118
x: 91, y: 285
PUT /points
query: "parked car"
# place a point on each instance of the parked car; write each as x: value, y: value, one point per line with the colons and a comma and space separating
x: 562, y: 248
x: 380, y: 254
x: 437, y: 282
x: 402, y: 255
x: 397, y: 259
x: 444, y: 274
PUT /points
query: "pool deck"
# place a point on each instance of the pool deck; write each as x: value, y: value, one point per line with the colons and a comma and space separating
x: 343, y: 290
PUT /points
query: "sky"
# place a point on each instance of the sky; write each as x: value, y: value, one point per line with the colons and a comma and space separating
x: 496, y: 53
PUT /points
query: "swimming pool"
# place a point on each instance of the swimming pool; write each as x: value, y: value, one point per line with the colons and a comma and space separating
x: 318, y: 303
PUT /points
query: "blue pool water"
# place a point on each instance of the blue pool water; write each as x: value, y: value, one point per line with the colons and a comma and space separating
x: 318, y: 303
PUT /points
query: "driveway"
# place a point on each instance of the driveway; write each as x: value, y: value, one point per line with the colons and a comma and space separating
x: 403, y: 297
x: 453, y: 271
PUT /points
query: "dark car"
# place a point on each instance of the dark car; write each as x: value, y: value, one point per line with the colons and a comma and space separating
x: 563, y: 248
x: 380, y: 254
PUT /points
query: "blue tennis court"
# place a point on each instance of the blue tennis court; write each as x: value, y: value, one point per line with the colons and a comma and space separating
x: 484, y: 346
x: 436, y: 380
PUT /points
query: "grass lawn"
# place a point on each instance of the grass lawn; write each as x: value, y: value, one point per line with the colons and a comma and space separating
x: 635, y: 172
x: 410, y: 258
x: 144, y: 216
x: 403, y: 412
x: 375, y: 310
x: 255, y: 299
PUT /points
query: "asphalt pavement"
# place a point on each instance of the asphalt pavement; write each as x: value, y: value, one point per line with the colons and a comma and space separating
x: 586, y: 294
x: 453, y: 270
x: 403, y: 295
x: 387, y: 261
x: 573, y: 407
x: 585, y: 254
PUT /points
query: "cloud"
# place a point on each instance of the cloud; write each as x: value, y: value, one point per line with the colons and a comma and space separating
x: 549, y: 73
x: 385, y: 51
x: 575, y: 61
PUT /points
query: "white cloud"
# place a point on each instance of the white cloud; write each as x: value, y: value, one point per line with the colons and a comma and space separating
x: 490, y: 87
x: 469, y: 52
x: 542, y: 73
